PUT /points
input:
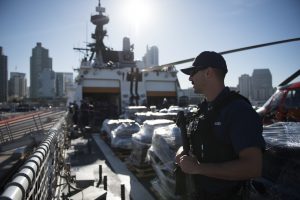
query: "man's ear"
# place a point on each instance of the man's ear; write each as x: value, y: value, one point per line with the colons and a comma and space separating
x: 208, y: 72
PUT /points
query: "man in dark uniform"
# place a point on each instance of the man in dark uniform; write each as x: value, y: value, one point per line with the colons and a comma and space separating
x: 75, y: 113
x: 84, y: 114
x: 225, y: 134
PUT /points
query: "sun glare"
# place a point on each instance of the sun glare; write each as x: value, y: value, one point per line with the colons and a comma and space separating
x: 137, y: 13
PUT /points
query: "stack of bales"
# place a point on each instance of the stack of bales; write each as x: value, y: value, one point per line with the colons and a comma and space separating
x: 131, y: 110
x: 109, y: 124
x: 121, y: 136
x: 170, y: 113
x: 140, y: 117
x: 118, y: 132
x: 142, y: 140
x: 281, y: 161
x: 165, y: 143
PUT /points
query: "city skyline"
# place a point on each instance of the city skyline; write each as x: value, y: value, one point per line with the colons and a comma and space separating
x: 179, y: 30
x: 146, y: 54
x: 45, y: 84
x: 257, y: 87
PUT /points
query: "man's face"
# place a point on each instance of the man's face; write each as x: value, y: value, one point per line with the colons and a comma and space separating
x: 198, y: 80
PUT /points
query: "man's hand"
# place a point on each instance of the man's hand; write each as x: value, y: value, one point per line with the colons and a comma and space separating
x: 189, y: 164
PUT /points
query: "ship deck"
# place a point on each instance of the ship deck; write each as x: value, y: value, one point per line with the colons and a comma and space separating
x: 85, y: 155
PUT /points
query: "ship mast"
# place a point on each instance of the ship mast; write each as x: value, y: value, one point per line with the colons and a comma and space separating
x: 98, y: 46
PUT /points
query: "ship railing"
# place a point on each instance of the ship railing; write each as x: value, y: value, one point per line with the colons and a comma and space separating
x: 37, y: 178
x: 15, y: 128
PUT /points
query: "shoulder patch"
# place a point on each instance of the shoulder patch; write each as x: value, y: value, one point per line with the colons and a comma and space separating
x: 217, y: 123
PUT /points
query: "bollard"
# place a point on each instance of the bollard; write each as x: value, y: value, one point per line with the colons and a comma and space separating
x: 122, y: 192
x: 100, y: 175
x: 105, y: 182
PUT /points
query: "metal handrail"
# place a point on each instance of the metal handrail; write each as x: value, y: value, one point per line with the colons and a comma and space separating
x: 37, y: 177
x: 9, y: 130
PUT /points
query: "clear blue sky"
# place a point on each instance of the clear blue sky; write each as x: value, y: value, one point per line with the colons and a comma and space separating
x: 180, y: 29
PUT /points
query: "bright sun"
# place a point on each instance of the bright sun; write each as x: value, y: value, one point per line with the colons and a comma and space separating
x: 137, y: 12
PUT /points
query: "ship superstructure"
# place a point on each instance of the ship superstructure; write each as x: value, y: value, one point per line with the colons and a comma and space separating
x: 114, y: 80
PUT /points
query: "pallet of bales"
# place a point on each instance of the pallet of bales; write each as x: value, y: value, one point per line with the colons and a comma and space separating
x: 120, y: 137
x: 110, y: 124
x: 170, y: 114
x: 141, y: 141
x: 122, y: 153
x: 165, y: 143
x: 281, y: 161
x: 140, y: 117
x: 143, y: 171
x: 131, y: 110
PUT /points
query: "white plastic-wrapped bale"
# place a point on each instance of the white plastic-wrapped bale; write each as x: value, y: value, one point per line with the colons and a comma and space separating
x: 170, y: 116
x: 131, y: 110
x: 121, y: 136
x: 141, y: 141
x: 165, y: 180
x: 164, y: 110
x: 140, y: 117
x: 165, y: 143
x: 110, y: 124
x: 175, y: 109
x: 281, y: 161
x: 147, y: 130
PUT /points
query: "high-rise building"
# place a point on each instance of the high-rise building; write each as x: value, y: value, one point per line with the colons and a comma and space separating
x: 3, y: 77
x: 60, y: 86
x: 64, y: 81
x: 47, y: 84
x: 17, y: 85
x: 69, y: 83
x: 39, y: 61
x: 244, y: 86
x: 151, y: 56
x: 262, y: 87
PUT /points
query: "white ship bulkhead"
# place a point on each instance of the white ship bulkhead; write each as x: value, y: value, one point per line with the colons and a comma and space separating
x: 160, y: 85
x: 112, y: 85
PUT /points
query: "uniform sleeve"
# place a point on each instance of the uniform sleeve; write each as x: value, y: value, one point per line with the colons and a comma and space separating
x: 245, y: 126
